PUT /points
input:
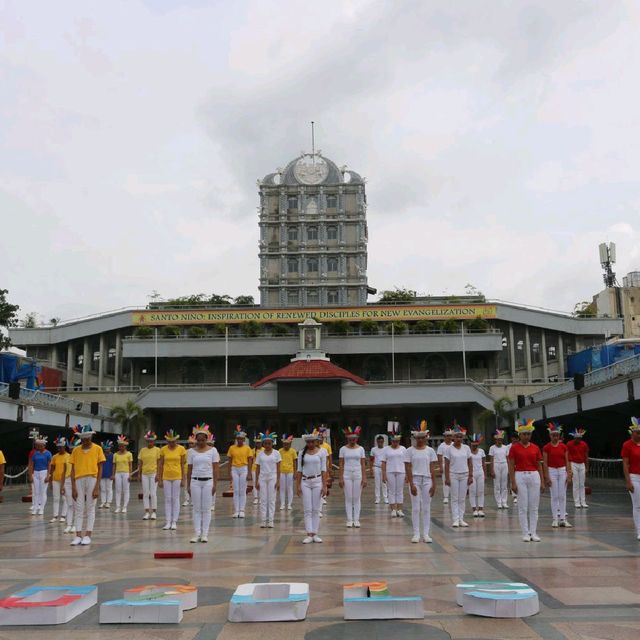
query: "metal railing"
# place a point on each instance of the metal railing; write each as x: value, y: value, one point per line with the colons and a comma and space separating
x: 553, y: 392
x: 624, y: 367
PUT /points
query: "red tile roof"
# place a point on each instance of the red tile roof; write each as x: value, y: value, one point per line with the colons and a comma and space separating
x: 310, y: 370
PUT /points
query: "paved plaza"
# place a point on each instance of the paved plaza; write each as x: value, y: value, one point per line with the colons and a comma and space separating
x: 587, y: 577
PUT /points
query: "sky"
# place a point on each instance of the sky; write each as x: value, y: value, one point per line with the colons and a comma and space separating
x: 500, y: 141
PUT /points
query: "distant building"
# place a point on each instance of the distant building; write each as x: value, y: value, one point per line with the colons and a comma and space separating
x: 624, y: 301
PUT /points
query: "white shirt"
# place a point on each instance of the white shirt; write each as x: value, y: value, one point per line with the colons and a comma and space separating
x: 313, y: 464
x: 443, y: 447
x: 420, y: 460
x: 377, y: 453
x: 458, y: 458
x: 394, y: 459
x: 499, y: 454
x: 202, y: 462
x: 476, y: 460
x: 268, y: 463
x: 352, y: 457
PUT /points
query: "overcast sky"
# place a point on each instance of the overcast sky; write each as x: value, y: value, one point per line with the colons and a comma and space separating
x: 500, y: 141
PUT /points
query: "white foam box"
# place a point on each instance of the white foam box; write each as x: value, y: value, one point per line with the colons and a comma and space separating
x: 140, y: 611
x: 384, y: 608
x: 487, y: 585
x: 501, y: 604
x: 186, y: 594
x: 269, y: 602
x: 47, y: 605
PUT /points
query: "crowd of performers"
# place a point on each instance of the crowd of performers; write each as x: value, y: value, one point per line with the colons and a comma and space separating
x: 85, y: 476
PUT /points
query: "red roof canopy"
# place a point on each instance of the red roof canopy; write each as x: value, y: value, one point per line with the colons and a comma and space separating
x: 310, y: 370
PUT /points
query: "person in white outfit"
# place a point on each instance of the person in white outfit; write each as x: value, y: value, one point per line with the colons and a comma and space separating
x: 630, y: 455
x: 557, y: 474
x: 393, y: 474
x: 352, y: 473
x: 498, y: 453
x: 527, y: 479
x: 39, y: 474
x: 241, y: 458
x: 268, y: 479
x: 420, y: 467
x: 288, y: 467
x: 458, y: 473
x: 476, y: 489
x: 579, y: 458
x: 380, y: 489
x: 203, y: 468
x: 147, y: 470
x: 442, y: 447
x: 171, y: 472
x: 311, y: 484
x: 257, y: 448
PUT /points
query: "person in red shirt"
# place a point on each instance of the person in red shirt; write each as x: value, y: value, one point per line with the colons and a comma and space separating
x: 630, y: 455
x: 557, y: 474
x: 579, y: 461
x: 527, y: 480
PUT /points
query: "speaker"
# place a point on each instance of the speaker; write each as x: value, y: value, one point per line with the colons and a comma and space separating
x: 520, y: 402
x: 94, y: 408
x: 14, y: 390
x: 578, y: 381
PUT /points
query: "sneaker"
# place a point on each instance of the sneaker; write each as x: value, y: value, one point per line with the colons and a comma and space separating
x: 153, y: 515
x: 270, y: 525
x: 289, y: 508
x: 317, y: 539
x: 376, y: 502
x: 321, y: 514
x: 386, y: 501
x: 475, y: 513
x: 349, y: 524
x: 526, y: 538
x: 356, y: 524
x: 585, y: 506
x: 324, y: 501
x: 480, y: 513
x: 255, y: 501
x: 85, y: 541
x: 173, y: 526
x: 578, y: 506
x: 213, y: 507
x: 124, y: 510
x: 241, y: 514
x: 638, y: 538
x: 554, y: 524
x: 534, y: 538
x: 463, y: 523
x: 308, y: 540
x: 566, y: 524
x: 67, y: 530
x: 40, y: 512
x: 515, y: 501
x: 73, y: 530
x: 282, y: 508
x: 146, y: 516
x: 415, y: 539
x: 445, y: 501
x: 101, y: 505
x: 195, y: 539
x: 107, y: 506
x: 394, y: 513
x: 263, y: 525
x: 204, y: 539
x: 76, y: 541
x: 456, y: 523
x: 400, y: 513
x: 185, y: 503
x: 427, y: 539
x: 235, y: 515
x: 117, y: 510
x: 54, y: 519
x: 166, y: 526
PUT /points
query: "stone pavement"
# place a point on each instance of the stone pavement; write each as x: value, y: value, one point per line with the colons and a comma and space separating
x: 587, y: 577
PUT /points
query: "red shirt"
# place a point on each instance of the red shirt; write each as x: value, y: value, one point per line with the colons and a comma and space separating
x: 555, y: 455
x: 578, y: 450
x: 525, y: 458
x: 631, y: 451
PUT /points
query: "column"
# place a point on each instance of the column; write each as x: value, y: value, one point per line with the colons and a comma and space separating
x: 118, y: 362
x: 53, y: 355
x: 561, y: 369
x: 70, y: 358
x: 86, y: 362
x: 527, y: 352
x: 543, y: 346
x: 512, y: 352
x: 102, y: 363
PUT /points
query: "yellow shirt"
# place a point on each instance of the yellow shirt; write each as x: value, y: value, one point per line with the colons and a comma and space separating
x: 254, y: 455
x: 2, y: 460
x: 148, y: 457
x: 327, y: 446
x: 85, y: 461
x: 286, y: 466
x: 121, y: 461
x: 240, y: 455
x: 172, y: 469
x: 62, y: 468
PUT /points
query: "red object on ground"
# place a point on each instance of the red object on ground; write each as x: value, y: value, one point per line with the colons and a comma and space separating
x: 26, y: 498
x: 587, y: 491
x: 229, y: 492
x: 161, y: 555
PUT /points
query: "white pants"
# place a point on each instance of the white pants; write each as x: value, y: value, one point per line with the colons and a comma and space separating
x: 635, y: 500
x: 106, y: 490
x: 421, y: 505
x: 311, y: 499
x: 579, y: 475
x: 379, y: 487
x: 85, y: 503
x: 558, y: 477
x: 395, y: 485
x: 458, y: 494
x: 149, y: 491
x: 267, y: 497
x: 201, y: 499
x: 56, y: 486
x: 501, y: 482
x: 476, y: 491
x: 239, y: 482
x: 528, y: 483
x: 122, y: 489
x: 286, y: 489
x: 39, y: 495
x: 171, y: 500
x: 352, y: 494
x: 446, y: 490
x: 187, y: 497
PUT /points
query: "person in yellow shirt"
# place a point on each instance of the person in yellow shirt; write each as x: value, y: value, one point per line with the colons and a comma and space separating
x: 147, y: 470
x: 61, y: 480
x: 288, y: 468
x: 191, y: 443
x: 123, y: 467
x: 241, y: 457
x: 2, y: 463
x: 257, y: 448
x: 86, y: 462
x: 171, y: 473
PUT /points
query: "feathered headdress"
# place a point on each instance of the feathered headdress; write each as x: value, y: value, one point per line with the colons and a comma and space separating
x: 525, y: 426
x: 171, y: 435
x: 122, y: 439
x: 352, y: 432
x: 457, y: 429
x: 314, y: 435
x: 268, y: 435
x: 84, y: 431
x: 476, y: 438
x: 499, y: 434
x: 202, y: 428
x: 107, y: 444
x: 579, y: 432
x: 239, y: 433
x: 257, y: 437
x: 286, y: 438
x: 74, y: 441
x: 635, y: 425
x: 421, y: 430
x: 40, y: 439
x: 448, y: 431
x: 60, y: 441
x: 150, y: 435
x: 191, y: 439
x: 554, y: 427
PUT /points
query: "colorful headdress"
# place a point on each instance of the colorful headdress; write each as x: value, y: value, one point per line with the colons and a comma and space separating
x: 122, y: 439
x: 40, y: 439
x: 171, y: 435
x: 191, y: 439
x: 287, y: 438
x: 257, y: 437
x: 499, y: 434
x: 579, y: 432
x: 74, y: 442
x: 525, y: 426
x: 239, y: 433
x: 476, y: 438
x: 422, y: 430
x: 554, y: 427
x: 314, y: 435
x: 84, y: 431
x: 269, y: 436
x: 202, y: 428
x: 352, y: 432
x: 635, y: 425
x: 457, y: 429
x: 150, y: 435
x: 60, y: 441
x: 448, y: 431
x: 107, y: 444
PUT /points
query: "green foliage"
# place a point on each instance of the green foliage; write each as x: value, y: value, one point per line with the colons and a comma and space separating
x: 196, y: 332
x: 492, y: 418
x: 477, y: 324
x: 399, y: 327
x: 250, y: 328
x: 279, y: 329
x: 199, y: 300
x: 369, y: 327
x: 397, y: 295
x: 585, y: 309
x: 143, y: 332
x: 424, y: 326
x: 244, y: 300
x: 339, y: 327
x: 220, y: 329
x: 30, y: 321
x: 171, y: 331
x: 8, y: 318
x: 450, y: 326
x: 131, y: 417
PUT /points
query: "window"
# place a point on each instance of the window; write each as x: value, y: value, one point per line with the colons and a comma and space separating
x: 332, y: 265
x: 292, y: 233
x: 312, y: 296
x: 312, y: 233
x: 312, y: 265
x: 332, y: 232
x: 292, y: 265
x: 292, y: 297
x: 551, y: 352
x: 535, y: 338
x: 332, y: 296
x: 292, y: 202
x: 332, y: 202
x: 79, y: 360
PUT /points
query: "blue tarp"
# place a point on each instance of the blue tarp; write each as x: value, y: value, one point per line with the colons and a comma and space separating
x: 598, y: 357
x: 13, y: 368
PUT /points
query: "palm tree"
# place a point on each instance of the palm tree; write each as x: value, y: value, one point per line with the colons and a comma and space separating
x: 131, y: 417
x: 494, y: 417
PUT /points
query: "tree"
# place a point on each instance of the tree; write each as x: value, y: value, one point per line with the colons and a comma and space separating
x: 477, y: 324
x: 30, y: 321
x: 471, y: 290
x: 493, y: 417
x: 424, y: 326
x: 8, y: 318
x: 244, y: 301
x: 399, y: 327
x: 131, y: 417
x: 338, y: 327
x: 369, y: 327
x: 171, y: 331
x: 143, y: 332
x: 251, y: 328
x: 397, y: 295
x: 54, y: 321
x: 585, y: 309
